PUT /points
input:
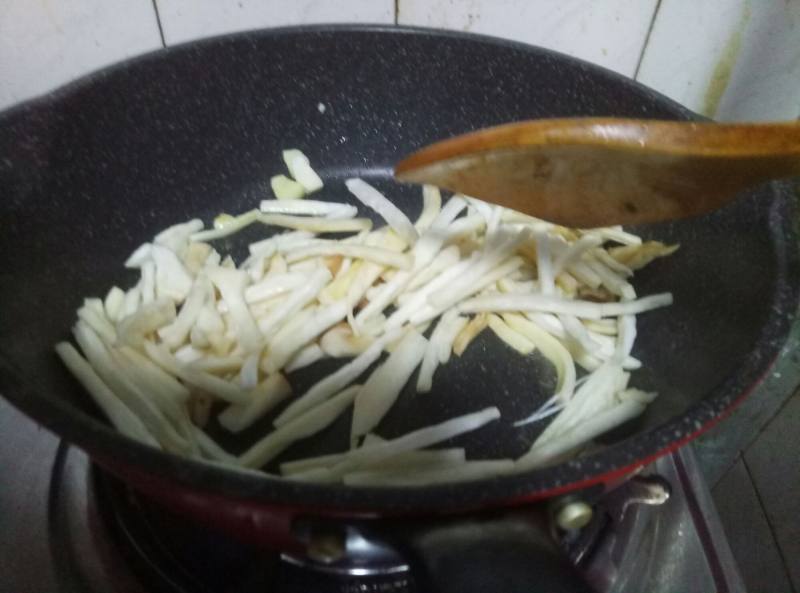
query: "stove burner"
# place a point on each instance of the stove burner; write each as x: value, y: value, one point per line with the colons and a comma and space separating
x: 338, y: 549
x: 100, y: 532
x: 172, y: 554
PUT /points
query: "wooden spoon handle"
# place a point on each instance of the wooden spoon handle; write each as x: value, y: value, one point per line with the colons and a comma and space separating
x: 771, y: 140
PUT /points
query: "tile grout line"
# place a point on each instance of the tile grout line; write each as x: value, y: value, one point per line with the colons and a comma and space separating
x: 158, y: 22
x: 750, y: 441
x: 770, y: 420
x: 784, y: 561
x: 727, y: 471
x: 646, y: 39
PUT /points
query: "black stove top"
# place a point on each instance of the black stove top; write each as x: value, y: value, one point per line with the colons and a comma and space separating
x: 70, y: 528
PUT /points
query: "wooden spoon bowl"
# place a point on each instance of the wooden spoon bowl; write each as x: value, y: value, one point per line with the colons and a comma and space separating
x: 590, y: 172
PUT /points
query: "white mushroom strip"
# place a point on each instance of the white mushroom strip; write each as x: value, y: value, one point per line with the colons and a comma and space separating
x: 225, y: 225
x: 549, y: 323
x: 464, y: 227
x: 224, y: 390
x: 299, y: 466
x: 565, y: 443
x: 114, y: 303
x: 306, y: 357
x: 300, y: 427
x: 578, y: 333
x: 218, y: 365
x: 417, y: 439
x: 341, y: 342
x: 431, y: 206
x: 209, y: 320
x: 120, y: 415
x: 196, y: 255
x: 263, y: 398
x: 551, y: 349
x: 424, y: 459
x: 280, y: 243
x: 152, y: 418
x: 603, y: 256
x: 378, y: 255
x: 96, y: 307
x: 150, y: 317
x: 140, y: 255
x: 98, y: 322
x: 419, y: 298
x: 174, y: 334
x: 132, y: 299
x: 443, y: 260
x: 176, y: 237
x: 614, y: 282
x: 549, y: 304
x: 618, y: 235
x: 231, y: 285
x: 334, y: 382
x: 448, y: 297
x: 147, y: 385
x: 394, y: 217
x: 469, y: 332
x: 285, y: 188
x: 297, y: 299
x: 286, y: 343
x: 248, y: 373
x: 438, y: 348
x: 231, y: 225
x: 172, y: 280
x: 316, y: 224
x: 308, y: 208
x: 147, y: 285
x: 300, y: 168
x: 584, y: 274
x: 423, y: 252
x: 574, y: 252
x: 383, y: 387
x: 513, y: 338
x: 211, y: 450
x: 635, y: 257
x: 159, y: 379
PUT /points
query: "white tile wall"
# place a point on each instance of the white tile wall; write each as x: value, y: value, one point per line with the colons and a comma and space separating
x: 609, y: 32
x: 747, y: 52
x: 45, y: 43
x: 183, y: 20
x: 730, y: 59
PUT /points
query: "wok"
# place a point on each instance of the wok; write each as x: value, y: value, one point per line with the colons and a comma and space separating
x: 89, y: 172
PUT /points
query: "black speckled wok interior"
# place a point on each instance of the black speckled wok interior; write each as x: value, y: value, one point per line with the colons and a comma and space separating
x: 90, y: 172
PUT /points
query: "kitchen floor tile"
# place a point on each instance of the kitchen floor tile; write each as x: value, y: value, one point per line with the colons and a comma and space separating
x: 749, y: 536
x: 774, y: 465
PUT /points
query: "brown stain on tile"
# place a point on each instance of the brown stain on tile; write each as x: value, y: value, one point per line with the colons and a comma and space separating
x: 721, y: 76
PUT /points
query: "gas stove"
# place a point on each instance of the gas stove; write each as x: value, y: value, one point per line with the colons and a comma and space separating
x: 70, y: 528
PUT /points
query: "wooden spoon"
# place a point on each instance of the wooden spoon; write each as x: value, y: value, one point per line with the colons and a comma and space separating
x: 603, y: 171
